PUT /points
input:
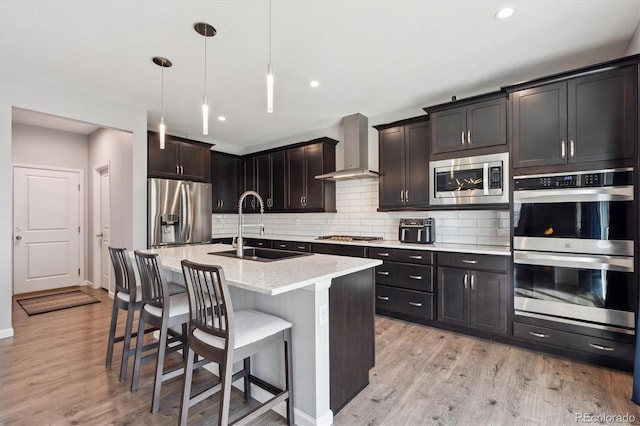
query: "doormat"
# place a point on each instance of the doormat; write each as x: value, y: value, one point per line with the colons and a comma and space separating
x: 55, y: 302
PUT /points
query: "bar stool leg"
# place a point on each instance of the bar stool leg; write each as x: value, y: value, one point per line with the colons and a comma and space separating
x: 112, y: 334
x: 126, y: 347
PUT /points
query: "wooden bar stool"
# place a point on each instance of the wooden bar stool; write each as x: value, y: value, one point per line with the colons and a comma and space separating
x: 128, y: 297
x: 161, y: 310
x: 219, y: 334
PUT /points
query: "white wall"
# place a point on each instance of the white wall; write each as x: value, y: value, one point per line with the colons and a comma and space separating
x: 47, y: 147
x: 114, y: 148
x: 634, y: 43
x: 54, y: 98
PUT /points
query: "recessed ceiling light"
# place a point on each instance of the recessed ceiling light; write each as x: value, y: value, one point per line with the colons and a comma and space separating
x: 314, y: 83
x: 504, y: 13
x: 222, y: 118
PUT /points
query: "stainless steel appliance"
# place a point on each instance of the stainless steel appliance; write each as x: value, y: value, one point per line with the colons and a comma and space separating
x: 574, y: 250
x: 420, y: 231
x: 481, y: 179
x: 179, y: 212
x: 348, y: 238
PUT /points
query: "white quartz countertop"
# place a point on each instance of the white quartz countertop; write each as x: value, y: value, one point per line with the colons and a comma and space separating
x: 270, y: 278
x: 450, y: 247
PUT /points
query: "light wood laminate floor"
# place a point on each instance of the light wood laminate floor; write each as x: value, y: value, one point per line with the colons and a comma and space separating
x: 52, y: 372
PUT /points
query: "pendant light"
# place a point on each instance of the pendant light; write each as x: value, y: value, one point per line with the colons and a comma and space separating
x: 206, y: 31
x: 163, y: 63
x: 269, y: 71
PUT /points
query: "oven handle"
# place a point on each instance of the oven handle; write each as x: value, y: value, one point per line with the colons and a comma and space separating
x: 609, y: 263
x: 609, y: 193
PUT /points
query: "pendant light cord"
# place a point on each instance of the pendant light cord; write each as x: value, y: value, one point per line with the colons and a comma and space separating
x: 205, y: 61
x: 162, y: 91
x: 269, y: 31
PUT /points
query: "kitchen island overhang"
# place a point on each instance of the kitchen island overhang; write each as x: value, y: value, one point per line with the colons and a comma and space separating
x: 297, y: 289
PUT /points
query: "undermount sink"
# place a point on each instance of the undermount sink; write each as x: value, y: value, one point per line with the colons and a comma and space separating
x: 261, y: 254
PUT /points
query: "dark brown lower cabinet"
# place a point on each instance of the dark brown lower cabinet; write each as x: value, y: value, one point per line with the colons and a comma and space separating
x: 351, y: 336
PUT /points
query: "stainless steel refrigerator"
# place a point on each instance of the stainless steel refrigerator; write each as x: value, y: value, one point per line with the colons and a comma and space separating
x: 179, y: 212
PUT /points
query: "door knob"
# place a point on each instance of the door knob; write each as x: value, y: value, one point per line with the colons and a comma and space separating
x: 18, y: 237
x: 99, y: 235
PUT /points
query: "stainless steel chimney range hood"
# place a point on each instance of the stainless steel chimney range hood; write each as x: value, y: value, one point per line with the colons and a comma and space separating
x: 355, y: 137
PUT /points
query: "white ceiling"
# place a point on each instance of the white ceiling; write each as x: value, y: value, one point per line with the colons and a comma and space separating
x: 375, y: 57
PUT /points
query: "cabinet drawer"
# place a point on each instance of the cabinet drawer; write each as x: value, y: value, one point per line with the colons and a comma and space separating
x: 414, y: 277
x: 338, y: 249
x: 409, y: 302
x: 473, y: 261
x: 292, y: 245
x: 400, y: 255
x: 257, y: 242
x: 574, y: 341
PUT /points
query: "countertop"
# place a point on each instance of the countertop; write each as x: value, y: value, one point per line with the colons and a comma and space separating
x: 450, y: 247
x: 271, y: 278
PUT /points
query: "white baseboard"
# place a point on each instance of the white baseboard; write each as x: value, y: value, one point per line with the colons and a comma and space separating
x: 5, y: 333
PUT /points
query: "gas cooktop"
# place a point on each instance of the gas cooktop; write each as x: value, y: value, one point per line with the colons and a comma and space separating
x: 348, y: 238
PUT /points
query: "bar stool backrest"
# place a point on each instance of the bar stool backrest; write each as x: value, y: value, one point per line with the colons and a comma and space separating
x: 124, y: 274
x: 209, y: 302
x: 155, y: 291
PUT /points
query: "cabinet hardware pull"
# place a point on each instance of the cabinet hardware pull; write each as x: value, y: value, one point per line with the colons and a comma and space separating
x: 601, y: 348
x: 466, y: 281
x: 563, y: 149
x: 260, y: 243
x: 402, y: 196
x: 473, y: 262
x: 462, y: 137
x: 571, y: 148
x: 177, y: 169
x: 181, y: 170
x: 283, y: 245
x: 301, y: 247
x: 406, y: 195
x: 473, y: 281
x: 383, y: 273
x: 418, y: 304
x: 469, y: 137
x: 383, y: 298
x: 415, y: 277
x: 415, y: 257
x: 383, y: 254
x: 540, y: 335
x: 221, y: 203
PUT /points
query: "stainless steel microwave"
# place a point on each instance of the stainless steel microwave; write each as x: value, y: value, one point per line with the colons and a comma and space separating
x: 481, y: 179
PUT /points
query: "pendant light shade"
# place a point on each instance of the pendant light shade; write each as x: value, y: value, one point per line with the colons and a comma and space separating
x: 206, y: 31
x: 270, y: 77
x: 163, y: 63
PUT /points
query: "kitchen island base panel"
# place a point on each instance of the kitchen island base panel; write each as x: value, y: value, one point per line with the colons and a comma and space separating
x: 310, y: 344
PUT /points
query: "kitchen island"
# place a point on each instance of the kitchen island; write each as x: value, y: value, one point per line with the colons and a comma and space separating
x: 320, y: 294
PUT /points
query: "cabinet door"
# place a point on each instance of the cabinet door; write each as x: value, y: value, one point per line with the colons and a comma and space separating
x: 250, y: 204
x: 162, y: 163
x: 487, y: 123
x: 225, y: 175
x: 391, y: 153
x: 602, y: 115
x: 277, y: 181
x: 452, y: 296
x: 194, y: 162
x: 540, y: 126
x: 263, y: 170
x: 448, y: 130
x: 488, y: 302
x: 417, y: 164
x: 314, y: 188
x: 295, y: 177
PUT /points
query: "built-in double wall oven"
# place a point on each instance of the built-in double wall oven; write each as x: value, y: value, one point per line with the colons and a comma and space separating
x: 573, y: 240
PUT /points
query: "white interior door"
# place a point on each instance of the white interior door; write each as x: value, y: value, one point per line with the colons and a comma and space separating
x: 105, y: 232
x: 46, y: 219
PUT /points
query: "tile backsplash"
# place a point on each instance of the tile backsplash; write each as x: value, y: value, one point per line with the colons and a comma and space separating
x: 356, y: 202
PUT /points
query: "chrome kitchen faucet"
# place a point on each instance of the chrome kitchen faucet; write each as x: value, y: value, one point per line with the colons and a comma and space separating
x: 239, y: 240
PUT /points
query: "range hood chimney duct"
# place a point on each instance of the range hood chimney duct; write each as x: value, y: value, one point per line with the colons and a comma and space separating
x: 355, y: 136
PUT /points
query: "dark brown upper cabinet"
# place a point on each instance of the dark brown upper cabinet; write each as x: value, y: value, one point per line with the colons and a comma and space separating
x: 225, y: 176
x: 264, y: 173
x: 591, y: 118
x: 181, y: 159
x: 302, y: 164
x: 404, y: 165
x: 469, y: 126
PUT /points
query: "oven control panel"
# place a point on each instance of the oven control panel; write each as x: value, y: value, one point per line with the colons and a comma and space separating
x: 574, y: 180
